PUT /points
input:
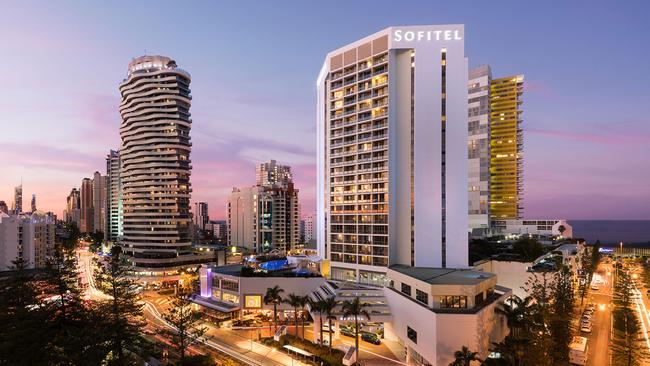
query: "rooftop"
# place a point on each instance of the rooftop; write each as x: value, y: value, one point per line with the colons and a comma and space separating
x: 231, y: 269
x: 443, y: 276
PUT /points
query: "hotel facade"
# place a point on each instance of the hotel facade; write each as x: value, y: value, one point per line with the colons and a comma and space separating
x: 392, y: 153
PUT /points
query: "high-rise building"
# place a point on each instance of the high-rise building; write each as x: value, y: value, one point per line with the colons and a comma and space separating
x: 113, y: 197
x: 201, y: 217
x: 27, y: 236
x: 506, y: 144
x: 220, y: 231
x: 478, y: 146
x: 266, y: 216
x: 86, y: 212
x: 310, y: 228
x: 155, y: 164
x: 18, y: 199
x: 3, y: 207
x: 73, y: 207
x: 272, y: 173
x: 99, y: 202
x: 392, y: 152
x: 33, y: 202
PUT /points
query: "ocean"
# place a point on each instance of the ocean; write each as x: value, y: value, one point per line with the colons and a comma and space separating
x: 612, y: 231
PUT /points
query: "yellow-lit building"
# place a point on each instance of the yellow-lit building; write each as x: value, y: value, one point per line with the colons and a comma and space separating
x: 506, y: 143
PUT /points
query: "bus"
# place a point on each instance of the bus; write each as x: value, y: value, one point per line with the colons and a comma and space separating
x: 578, y: 351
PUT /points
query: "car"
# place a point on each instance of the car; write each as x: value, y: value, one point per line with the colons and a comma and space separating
x: 589, y: 311
x: 370, y: 338
x: 347, y: 332
x: 586, y: 328
x: 594, y: 286
x: 586, y: 318
x: 591, y: 306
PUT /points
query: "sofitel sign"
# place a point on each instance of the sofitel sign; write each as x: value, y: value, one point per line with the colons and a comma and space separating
x: 430, y: 35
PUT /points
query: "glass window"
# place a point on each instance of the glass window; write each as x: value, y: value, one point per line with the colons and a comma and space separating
x: 421, y: 296
x: 412, y: 334
x: 406, y: 289
x: 453, y: 301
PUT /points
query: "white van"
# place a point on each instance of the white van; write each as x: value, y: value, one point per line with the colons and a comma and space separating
x: 578, y: 351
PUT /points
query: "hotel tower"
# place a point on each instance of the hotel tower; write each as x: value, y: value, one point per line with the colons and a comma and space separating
x: 392, y: 153
x: 155, y: 164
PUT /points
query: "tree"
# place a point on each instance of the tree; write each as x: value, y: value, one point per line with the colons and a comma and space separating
x: 316, y: 306
x: 73, y: 337
x: 23, y: 337
x: 186, y: 323
x: 327, y: 307
x: 512, y: 350
x: 517, y: 313
x: 562, y: 293
x: 294, y: 301
x: 122, y: 311
x: 304, y: 300
x: 561, y: 229
x: 96, y: 239
x: 355, y: 309
x: 274, y: 296
x: 528, y: 249
x: 464, y: 357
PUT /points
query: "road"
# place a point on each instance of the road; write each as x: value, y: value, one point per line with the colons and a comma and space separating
x: 599, y: 338
x: 642, y: 305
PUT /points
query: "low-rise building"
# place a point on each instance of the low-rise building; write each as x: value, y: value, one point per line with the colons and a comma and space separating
x: 542, y: 227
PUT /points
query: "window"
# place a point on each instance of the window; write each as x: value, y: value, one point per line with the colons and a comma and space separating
x: 412, y: 334
x: 453, y: 301
x: 406, y: 289
x: 422, y: 296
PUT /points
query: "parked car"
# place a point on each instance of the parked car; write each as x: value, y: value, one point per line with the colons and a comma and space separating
x: 586, y: 328
x: 591, y: 306
x: 589, y: 311
x: 594, y: 286
x: 370, y: 338
x: 347, y: 332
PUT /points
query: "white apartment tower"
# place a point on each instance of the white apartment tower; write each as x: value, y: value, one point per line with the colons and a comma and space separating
x: 113, y: 197
x: 155, y: 164
x: 272, y: 173
x: 201, y: 217
x: 392, y: 152
x: 478, y: 146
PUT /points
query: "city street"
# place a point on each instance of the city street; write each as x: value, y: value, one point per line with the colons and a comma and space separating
x: 598, y: 340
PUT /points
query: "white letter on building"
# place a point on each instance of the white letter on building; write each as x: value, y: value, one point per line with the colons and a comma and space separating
x: 457, y: 35
x: 397, y: 35
x: 447, y: 35
x: 420, y: 35
x: 437, y: 34
x: 409, y: 36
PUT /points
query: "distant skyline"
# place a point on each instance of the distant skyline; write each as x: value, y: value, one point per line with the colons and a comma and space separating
x: 254, y: 65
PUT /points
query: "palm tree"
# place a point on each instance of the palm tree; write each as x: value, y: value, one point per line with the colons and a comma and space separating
x: 316, y: 306
x: 327, y: 306
x: 355, y: 308
x: 517, y: 313
x: 304, y: 300
x: 273, y: 296
x: 294, y: 301
x: 464, y: 357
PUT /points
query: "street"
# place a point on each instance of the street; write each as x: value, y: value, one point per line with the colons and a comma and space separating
x: 598, y: 340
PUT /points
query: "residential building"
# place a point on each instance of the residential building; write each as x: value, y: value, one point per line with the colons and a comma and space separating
x: 3, y: 207
x: 478, y: 146
x: 272, y: 173
x: 155, y: 166
x: 201, y: 217
x: 265, y: 216
x: 392, y: 152
x: 73, y: 207
x: 33, y: 202
x: 535, y: 227
x: 220, y: 231
x: 27, y: 236
x: 100, y: 199
x: 86, y: 211
x: 506, y: 146
x: 18, y: 199
x: 113, y: 197
x: 310, y: 228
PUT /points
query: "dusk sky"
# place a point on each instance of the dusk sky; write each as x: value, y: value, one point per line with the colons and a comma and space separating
x: 254, y: 66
